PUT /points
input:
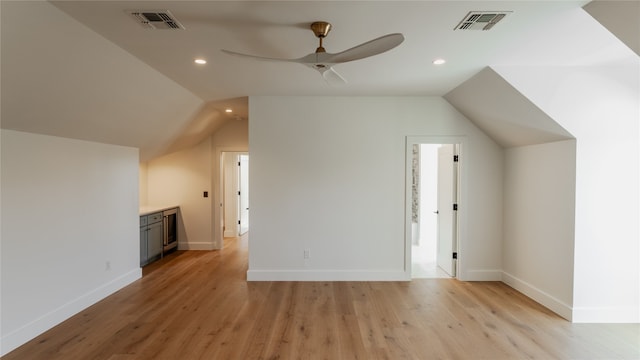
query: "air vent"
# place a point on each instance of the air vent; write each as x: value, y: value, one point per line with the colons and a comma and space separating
x: 481, y: 20
x: 156, y: 19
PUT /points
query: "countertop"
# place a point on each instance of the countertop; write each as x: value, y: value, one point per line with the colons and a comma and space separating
x: 150, y: 209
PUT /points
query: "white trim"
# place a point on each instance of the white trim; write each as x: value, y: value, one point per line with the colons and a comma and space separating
x: 36, y: 327
x: 545, y: 299
x: 196, y: 246
x: 480, y: 275
x: 325, y: 275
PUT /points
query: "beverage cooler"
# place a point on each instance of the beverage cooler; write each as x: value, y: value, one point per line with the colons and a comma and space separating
x: 170, y: 239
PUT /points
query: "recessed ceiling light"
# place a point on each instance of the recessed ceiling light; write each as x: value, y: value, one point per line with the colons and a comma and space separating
x: 439, y: 61
x: 200, y: 61
x: 228, y: 110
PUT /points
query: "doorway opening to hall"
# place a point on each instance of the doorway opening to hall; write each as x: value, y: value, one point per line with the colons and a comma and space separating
x: 434, y: 220
x: 235, y: 188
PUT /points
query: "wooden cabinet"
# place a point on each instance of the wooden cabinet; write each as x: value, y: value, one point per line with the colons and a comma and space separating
x: 151, y: 236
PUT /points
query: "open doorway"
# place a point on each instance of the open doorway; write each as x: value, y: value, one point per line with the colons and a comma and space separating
x: 243, y: 195
x: 434, y: 199
x: 235, y: 188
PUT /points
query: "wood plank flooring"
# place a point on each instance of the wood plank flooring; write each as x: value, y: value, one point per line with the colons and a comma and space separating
x: 198, y: 305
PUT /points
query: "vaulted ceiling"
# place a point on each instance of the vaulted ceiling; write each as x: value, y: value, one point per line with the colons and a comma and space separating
x: 87, y: 70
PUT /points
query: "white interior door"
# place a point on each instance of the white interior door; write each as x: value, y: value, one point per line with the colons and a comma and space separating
x: 243, y: 206
x: 446, y: 215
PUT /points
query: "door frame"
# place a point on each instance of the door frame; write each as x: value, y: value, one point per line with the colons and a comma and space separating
x: 410, y: 141
x: 243, y: 187
x: 230, y: 188
x: 217, y: 181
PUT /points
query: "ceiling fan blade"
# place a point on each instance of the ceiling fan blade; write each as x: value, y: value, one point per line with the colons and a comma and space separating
x: 333, y: 78
x: 370, y: 48
x: 257, y: 57
x: 323, y: 61
x: 328, y: 74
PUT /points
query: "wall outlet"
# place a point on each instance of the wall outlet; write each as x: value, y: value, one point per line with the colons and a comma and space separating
x: 307, y: 253
x: 107, y: 265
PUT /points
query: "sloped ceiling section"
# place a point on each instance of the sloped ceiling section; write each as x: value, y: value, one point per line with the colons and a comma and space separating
x: 503, y: 113
x: 72, y: 82
x: 621, y: 18
x: 209, y: 119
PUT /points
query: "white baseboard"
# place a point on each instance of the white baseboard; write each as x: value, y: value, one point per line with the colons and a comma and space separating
x: 481, y: 275
x: 197, y: 246
x: 29, y: 331
x: 618, y: 315
x: 545, y: 299
x: 325, y: 275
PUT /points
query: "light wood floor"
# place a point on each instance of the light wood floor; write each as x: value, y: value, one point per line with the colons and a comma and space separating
x: 198, y: 305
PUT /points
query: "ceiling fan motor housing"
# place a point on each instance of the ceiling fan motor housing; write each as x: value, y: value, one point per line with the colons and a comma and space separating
x: 321, y: 30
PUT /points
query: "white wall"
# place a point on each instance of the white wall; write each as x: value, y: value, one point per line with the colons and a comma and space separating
x: 600, y: 106
x: 429, y: 199
x: 143, y: 181
x: 328, y: 175
x: 180, y: 179
x: 539, y: 199
x: 69, y: 232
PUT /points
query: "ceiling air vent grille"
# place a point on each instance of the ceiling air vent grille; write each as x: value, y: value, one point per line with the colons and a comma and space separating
x: 481, y: 20
x: 156, y: 19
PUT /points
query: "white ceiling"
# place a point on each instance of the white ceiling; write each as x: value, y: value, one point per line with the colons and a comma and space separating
x: 503, y: 113
x: 86, y: 70
x: 622, y: 18
x: 281, y: 29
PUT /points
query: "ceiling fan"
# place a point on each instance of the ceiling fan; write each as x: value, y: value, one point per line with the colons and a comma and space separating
x: 324, y: 61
